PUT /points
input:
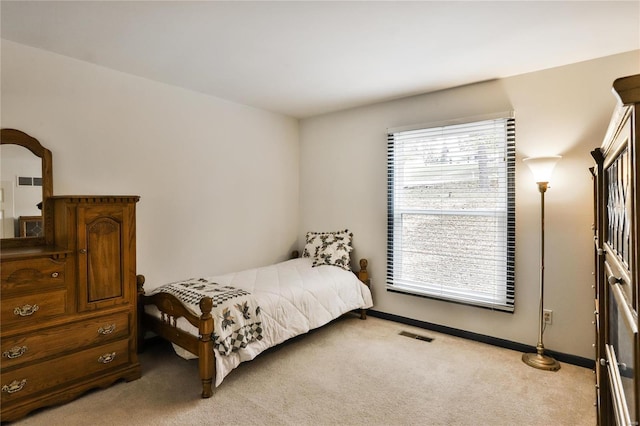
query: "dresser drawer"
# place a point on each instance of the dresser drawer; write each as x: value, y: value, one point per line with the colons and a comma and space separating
x: 69, y: 337
x: 39, y: 274
x: 30, y: 308
x: 45, y: 376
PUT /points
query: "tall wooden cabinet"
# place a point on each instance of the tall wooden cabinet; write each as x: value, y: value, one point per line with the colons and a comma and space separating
x: 101, y: 231
x: 617, y: 261
x: 69, y: 310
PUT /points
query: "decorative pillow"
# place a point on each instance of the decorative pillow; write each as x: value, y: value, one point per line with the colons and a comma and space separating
x: 329, y: 248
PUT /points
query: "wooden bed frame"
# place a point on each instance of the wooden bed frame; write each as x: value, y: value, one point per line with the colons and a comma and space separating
x: 171, y: 309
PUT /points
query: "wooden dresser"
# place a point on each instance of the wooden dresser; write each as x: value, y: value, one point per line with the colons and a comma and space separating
x: 617, y: 261
x: 69, y: 311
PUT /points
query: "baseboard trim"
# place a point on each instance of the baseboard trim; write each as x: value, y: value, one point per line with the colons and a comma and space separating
x: 507, y: 344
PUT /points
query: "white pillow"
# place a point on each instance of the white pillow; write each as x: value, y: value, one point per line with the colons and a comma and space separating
x: 329, y: 248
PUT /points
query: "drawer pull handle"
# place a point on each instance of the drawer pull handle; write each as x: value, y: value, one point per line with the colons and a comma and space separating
x: 83, y: 251
x: 107, y: 358
x: 107, y: 329
x: 55, y: 274
x: 15, y: 352
x: 15, y: 386
x: 26, y: 310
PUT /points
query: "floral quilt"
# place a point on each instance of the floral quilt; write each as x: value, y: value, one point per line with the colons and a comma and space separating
x: 236, y: 314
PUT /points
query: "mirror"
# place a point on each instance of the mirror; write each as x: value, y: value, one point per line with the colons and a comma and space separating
x: 25, y: 183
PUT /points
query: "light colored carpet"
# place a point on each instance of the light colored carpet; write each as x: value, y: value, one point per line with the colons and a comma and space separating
x: 350, y: 372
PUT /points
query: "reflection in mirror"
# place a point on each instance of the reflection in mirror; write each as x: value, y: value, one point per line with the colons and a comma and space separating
x: 26, y: 179
x: 20, y: 192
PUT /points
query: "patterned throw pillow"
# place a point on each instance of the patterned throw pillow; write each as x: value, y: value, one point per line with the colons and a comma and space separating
x: 329, y: 248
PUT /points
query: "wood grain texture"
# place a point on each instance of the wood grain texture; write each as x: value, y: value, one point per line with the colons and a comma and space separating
x: 617, y: 261
x: 17, y: 137
x: 83, y: 333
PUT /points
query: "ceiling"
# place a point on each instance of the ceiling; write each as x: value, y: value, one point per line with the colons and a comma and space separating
x: 304, y: 58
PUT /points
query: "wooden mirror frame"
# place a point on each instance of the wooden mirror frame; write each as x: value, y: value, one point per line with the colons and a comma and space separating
x: 17, y: 137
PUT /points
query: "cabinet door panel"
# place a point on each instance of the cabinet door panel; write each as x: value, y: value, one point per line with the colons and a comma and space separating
x: 104, y: 237
x: 104, y: 263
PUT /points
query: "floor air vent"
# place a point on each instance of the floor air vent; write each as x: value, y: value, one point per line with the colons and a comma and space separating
x: 416, y: 336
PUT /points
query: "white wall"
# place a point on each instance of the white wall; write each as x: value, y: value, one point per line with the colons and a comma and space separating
x: 218, y: 181
x: 558, y: 111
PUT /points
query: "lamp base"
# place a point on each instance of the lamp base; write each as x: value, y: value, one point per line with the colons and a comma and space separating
x: 542, y: 362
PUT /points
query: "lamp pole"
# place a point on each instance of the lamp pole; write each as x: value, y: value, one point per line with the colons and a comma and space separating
x: 539, y: 359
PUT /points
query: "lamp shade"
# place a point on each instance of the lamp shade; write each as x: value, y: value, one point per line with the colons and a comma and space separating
x: 542, y: 167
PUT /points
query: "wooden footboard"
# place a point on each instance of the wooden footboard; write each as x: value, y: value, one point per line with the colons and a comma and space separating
x: 166, y: 327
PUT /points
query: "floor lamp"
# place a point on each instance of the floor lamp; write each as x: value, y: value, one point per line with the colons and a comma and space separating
x: 541, y: 168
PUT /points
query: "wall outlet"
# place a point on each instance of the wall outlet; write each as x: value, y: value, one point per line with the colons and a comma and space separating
x: 548, y: 316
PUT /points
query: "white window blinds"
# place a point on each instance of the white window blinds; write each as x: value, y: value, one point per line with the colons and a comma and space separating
x: 451, y: 212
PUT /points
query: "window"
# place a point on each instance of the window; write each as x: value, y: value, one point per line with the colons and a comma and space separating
x: 451, y: 212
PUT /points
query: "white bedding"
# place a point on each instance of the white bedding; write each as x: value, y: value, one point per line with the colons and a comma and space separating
x: 294, y: 297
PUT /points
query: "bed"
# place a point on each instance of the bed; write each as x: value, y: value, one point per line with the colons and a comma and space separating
x: 228, y: 319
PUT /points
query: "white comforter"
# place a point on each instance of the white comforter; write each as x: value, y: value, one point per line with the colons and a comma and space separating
x: 294, y: 298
